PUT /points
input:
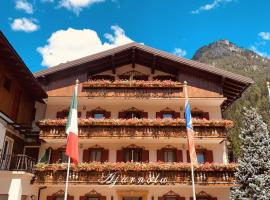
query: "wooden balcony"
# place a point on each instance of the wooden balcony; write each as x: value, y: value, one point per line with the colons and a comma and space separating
x: 133, y: 89
x: 136, y: 174
x: 132, y: 128
x: 17, y: 162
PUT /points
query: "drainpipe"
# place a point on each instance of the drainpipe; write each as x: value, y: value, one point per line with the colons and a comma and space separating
x: 39, y: 191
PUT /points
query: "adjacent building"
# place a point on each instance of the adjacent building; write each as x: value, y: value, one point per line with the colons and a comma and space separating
x: 20, y: 97
x: 132, y: 136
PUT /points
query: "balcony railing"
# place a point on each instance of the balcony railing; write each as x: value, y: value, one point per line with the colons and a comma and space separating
x: 133, y: 89
x: 155, y: 128
x: 17, y: 162
x: 136, y: 174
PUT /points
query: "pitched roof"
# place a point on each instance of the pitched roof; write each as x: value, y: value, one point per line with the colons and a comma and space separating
x: 156, y: 52
x: 18, y: 67
x: 145, y: 55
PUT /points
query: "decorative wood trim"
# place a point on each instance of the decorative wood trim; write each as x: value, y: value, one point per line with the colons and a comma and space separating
x: 132, y: 193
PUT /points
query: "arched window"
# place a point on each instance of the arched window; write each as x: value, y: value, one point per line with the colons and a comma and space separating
x: 96, y: 153
x: 169, y: 154
x: 167, y: 113
x: 171, y: 195
x: 203, y: 155
x: 93, y: 195
x: 132, y: 113
x: 204, y: 196
x: 132, y: 153
x: 59, y: 196
x: 98, y: 113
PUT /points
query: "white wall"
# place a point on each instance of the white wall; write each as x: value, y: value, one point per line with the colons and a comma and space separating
x: 222, y: 193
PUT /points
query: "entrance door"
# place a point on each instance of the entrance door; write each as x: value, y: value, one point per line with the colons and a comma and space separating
x: 132, y: 198
x: 6, y: 153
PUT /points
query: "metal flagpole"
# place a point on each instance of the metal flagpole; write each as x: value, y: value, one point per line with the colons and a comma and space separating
x: 193, y: 182
x: 65, y: 198
x: 191, y: 160
x: 268, y: 88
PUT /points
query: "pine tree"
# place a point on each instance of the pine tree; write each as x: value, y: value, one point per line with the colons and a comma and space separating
x: 253, y: 173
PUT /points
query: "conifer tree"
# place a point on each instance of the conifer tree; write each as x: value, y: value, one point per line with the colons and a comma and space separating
x: 253, y: 173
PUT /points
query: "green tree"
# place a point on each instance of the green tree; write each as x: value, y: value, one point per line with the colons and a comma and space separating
x: 253, y: 173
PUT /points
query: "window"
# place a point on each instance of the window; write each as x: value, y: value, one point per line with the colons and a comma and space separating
x: 7, y: 83
x: 167, y: 116
x: 59, y: 198
x: 200, y: 158
x: 134, y: 155
x: 98, y: 115
x: 95, y: 155
x: 63, y: 158
x: 169, y: 155
x: 3, y: 196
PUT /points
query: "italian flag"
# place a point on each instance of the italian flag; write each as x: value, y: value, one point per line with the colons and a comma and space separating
x: 72, y: 128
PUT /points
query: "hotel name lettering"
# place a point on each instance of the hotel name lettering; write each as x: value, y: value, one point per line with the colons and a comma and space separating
x: 116, y: 178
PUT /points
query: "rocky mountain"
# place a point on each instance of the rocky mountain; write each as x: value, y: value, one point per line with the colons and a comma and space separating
x: 227, y: 55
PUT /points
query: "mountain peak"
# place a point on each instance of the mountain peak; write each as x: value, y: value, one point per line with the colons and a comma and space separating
x: 226, y: 54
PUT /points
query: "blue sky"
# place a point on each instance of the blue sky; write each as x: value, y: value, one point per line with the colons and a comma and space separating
x: 48, y: 32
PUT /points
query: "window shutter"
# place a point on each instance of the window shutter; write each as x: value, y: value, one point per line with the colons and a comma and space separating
x: 83, y: 198
x: 120, y: 156
x: 145, y: 156
x: 177, y: 115
x: 160, y: 155
x: 70, y: 198
x: 50, y: 198
x: 54, y: 156
x: 121, y: 115
x: 158, y: 115
x: 179, y: 156
x: 161, y: 198
x: 209, y: 156
x: 86, y: 155
x: 59, y: 115
x: 206, y: 115
x: 105, y: 155
x: 89, y: 154
x: 144, y: 115
x: 107, y: 114
x: 188, y: 157
x: 89, y: 114
x: 79, y: 114
x: 181, y: 198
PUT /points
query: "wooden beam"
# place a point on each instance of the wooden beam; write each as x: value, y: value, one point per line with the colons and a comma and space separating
x: 238, y: 86
x: 133, y: 57
x: 113, y: 64
x: 154, y: 64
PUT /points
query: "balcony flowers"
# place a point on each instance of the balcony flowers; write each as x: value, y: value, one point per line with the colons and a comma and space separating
x: 138, y: 122
x: 136, y: 166
x: 132, y: 84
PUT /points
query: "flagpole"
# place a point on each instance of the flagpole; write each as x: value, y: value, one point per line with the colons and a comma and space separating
x: 66, y: 189
x: 191, y: 160
x: 193, y: 182
x: 268, y: 88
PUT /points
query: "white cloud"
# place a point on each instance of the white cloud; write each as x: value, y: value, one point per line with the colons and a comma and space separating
x: 24, y: 24
x: 210, y: 6
x: 261, y: 53
x: 264, y: 35
x: 180, y: 52
x: 25, y: 6
x: 77, y: 5
x: 71, y: 44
